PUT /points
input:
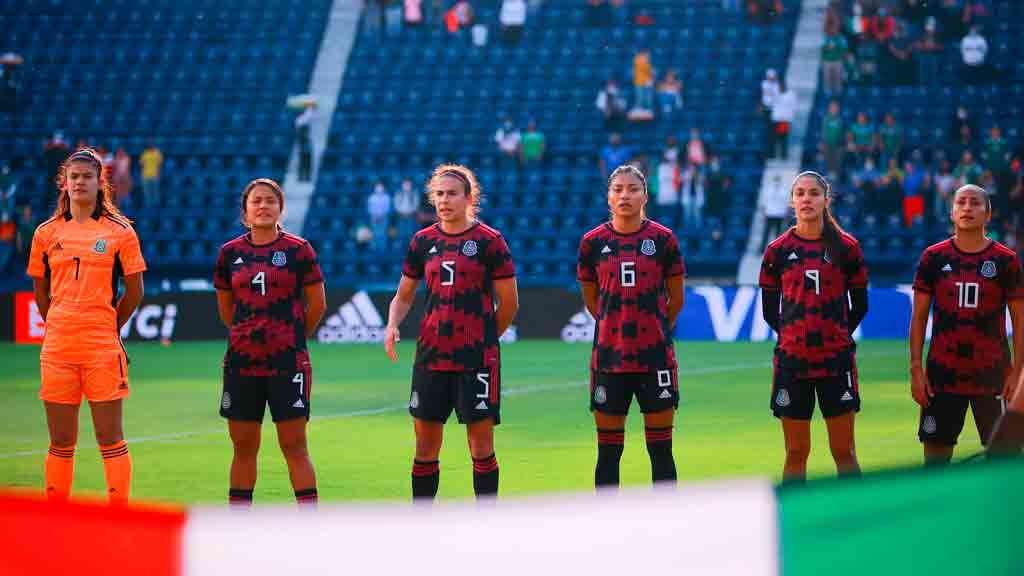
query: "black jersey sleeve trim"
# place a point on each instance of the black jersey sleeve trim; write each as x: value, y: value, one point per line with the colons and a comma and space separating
x: 411, y: 277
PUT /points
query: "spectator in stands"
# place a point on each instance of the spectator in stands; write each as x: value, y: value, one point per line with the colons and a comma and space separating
x: 715, y: 201
x: 696, y: 152
x: 864, y: 136
x: 883, y: 25
x: 961, y: 128
x: 890, y: 139
x: 670, y: 93
x: 151, y: 160
x: 460, y: 16
x: 775, y: 207
x: 928, y: 51
x: 867, y: 181
x: 832, y: 137
x: 643, y: 81
x: 867, y: 59
x: 413, y: 13
x: 407, y: 203
x: 122, y: 180
x: 513, y: 19
x: 507, y: 139
x: 612, y: 105
x: 668, y: 184
x: 769, y: 92
x: 10, y: 81
x: 995, y: 156
x: 899, y: 65
x: 598, y: 13
x: 833, y: 58
x: 613, y: 154
x: 531, y: 149
x: 916, y: 183
x: 26, y: 228
x: 857, y: 26
x: 692, y: 197
x: 944, y: 186
x: 783, y: 113
x: 973, y: 51
x: 892, y: 188
x: 54, y: 152
x: 378, y: 208
x: 304, y: 138
x: 968, y: 171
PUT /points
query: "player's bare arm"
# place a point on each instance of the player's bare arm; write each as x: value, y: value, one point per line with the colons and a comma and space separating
x: 676, y: 297
x: 589, y: 290
x: 919, y: 387
x: 316, y: 304
x: 225, y: 306
x: 1017, y: 319
x: 508, y: 303
x: 131, y: 298
x: 41, y: 287
x: 397, y: 311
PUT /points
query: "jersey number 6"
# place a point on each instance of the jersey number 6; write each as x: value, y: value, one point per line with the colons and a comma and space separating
x: 627, y: 274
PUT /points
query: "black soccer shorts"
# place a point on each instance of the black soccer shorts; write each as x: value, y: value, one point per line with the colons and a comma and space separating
x: 943, y: 420
x: 246, y: 397
x: 475, y: 395
x: 612, y: 392
x: 793, y: 397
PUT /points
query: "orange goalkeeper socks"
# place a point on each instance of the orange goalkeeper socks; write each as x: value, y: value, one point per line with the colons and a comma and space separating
x: 60, y: 471
x: 117, y: 466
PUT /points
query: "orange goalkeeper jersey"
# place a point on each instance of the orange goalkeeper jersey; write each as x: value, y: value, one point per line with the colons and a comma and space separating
x: 84, y: 262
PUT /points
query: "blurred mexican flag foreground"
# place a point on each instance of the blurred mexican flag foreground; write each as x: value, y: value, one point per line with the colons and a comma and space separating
x: 966, y: 519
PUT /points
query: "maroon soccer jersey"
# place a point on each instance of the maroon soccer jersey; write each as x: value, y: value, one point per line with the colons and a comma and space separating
x: 459, y: 331
x: 814, y: 334
x: 633, y: 332
x: 969, y: 354
x: 267, y: 281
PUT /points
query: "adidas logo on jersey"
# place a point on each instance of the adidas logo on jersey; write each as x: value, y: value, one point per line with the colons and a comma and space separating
x: 606, y: 249
x: 433, y: 250
x: 58, y: 247
x: 665, y: 394
x: 298, y: 404
x: 792, y: 256
x: 482, y: 405
x: 355, y: 321
x: 846, y: 396
x: 947, y: 268
x: 580, y: 328
x: 238, y: 260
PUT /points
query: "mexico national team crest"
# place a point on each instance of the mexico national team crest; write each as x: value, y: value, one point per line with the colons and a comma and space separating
x: 279, y: 259
x: 469, y: 248
x: 782, y: 398
x: 647, y: 247
x: 600, y: 395
x: 988, y: 269
x: 225, y: 401
x: 414, y: 402
x: 100, y: 246
x: 929, y: 426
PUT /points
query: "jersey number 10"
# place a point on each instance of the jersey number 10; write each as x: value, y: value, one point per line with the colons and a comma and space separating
x: 967, y: 294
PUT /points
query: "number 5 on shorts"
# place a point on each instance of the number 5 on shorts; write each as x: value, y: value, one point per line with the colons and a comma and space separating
x: 485, y: 379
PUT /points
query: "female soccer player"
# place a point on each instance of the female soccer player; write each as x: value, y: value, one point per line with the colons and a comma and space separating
x: 966, y: 282
x: 631, y: 274
x: 78, y: 257
x: 270, y: 294
x: 806, y: 275
x: 467, y: 266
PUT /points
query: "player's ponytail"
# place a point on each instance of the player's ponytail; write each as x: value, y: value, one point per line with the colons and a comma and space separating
x: 104, y: 192
x: 832, y: 232
x: 274, y: 187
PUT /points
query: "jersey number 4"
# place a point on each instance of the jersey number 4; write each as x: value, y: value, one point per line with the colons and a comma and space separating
x: 260, y: 279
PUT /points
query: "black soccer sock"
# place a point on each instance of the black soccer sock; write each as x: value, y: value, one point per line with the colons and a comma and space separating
x: 609, y: 452
x: 307, y: 497
x: 1007, y: 435
x: 239, y: 498
x: 426, y: 475
x: 485, y: 476
x: 659, y: 448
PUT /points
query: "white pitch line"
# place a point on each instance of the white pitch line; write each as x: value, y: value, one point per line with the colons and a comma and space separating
x: 519, y: 391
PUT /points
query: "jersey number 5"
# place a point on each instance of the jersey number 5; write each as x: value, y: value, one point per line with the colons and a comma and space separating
x: 447, y: 272
x: 261, y: 279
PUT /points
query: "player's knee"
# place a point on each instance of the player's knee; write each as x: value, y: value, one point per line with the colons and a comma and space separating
x: 108, y: 437
x: 294, y: 447
x: 246, y: 447
x: 64, y: 438
x: 798, y: 451
x: 481, y: 447
x: 843, y: 451
x: 427, y: 448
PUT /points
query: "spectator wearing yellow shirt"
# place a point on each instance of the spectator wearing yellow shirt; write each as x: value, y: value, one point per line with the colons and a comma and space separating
x: 152, y: 159
x: 643, y: 80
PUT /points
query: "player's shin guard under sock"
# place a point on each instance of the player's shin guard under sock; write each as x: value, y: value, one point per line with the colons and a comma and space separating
x: 609, y: 452
x: 239, y: 498
x: 485, y: 476
x: 60, y: 471
x: 117, y: 467
x: 659, y: 448
x: 426, y: 475
x: 1007, y: 435
x: 307, y: 497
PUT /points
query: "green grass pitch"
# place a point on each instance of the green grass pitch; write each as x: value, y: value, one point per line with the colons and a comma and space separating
x: 361, y: 436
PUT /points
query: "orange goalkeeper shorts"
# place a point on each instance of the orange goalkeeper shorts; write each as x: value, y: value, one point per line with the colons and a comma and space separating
x: 102, y: 380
